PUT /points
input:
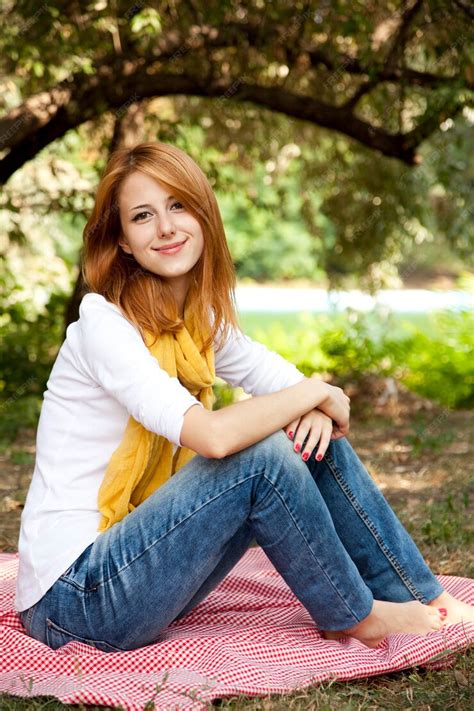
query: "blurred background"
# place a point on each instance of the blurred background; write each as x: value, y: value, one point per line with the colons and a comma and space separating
x: 338, y: 139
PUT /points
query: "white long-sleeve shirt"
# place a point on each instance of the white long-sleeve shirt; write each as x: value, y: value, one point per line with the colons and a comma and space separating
x: 104, y: 373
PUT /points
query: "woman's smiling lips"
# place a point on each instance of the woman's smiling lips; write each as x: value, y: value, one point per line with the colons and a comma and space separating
x: 171, y: 249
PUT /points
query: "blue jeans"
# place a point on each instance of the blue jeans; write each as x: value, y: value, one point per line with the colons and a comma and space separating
x: 325, y: 526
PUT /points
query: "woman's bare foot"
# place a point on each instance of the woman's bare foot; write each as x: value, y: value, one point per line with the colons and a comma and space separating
x: 392, y: 618
x: 457, y: 611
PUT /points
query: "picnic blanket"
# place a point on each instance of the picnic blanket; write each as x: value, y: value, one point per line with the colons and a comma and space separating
x: 251, y: 636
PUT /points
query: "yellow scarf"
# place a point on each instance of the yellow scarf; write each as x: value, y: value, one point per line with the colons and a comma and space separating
x: 144, y: 461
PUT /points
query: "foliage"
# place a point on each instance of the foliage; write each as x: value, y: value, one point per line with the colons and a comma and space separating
x: 299, y: 200
x: 264, y: 248
x: 410, y: 64
x: 438, y: 365
x: 441, y: 366
x: 29, y: 348
x: 346, y: 347
x: 17, y: 412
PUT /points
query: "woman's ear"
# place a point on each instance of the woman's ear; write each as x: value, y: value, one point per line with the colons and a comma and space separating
x: 124, y: 244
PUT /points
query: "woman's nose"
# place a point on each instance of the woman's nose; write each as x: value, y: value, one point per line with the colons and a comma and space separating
x: 166, y: 226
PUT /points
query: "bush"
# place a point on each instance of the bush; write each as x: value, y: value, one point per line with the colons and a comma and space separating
x: 441, y: 366
x: 437, y: 365
x: 29, y: 347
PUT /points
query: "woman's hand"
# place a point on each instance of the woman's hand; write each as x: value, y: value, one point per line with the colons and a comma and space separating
x: 318, y: 427
x: 336, y: 405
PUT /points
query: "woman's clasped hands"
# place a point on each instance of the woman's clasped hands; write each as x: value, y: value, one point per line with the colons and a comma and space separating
x: 330, y: 420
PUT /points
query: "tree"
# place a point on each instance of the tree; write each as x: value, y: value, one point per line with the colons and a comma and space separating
x: 384, y: 74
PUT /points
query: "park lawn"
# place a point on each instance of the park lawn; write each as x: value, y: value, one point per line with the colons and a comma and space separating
x: 422, y: 457
x: 256, y: 322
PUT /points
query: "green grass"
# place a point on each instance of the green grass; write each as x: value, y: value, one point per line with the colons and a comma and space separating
x: 252, y: 322
x: 447, y: 521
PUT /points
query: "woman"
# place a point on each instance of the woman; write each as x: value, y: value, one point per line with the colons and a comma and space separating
x: 143, y: 498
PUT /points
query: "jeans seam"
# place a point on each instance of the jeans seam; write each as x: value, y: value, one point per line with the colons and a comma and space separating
x: 102, y: 582
x: 344, y: 602
x: 392, y: 559
x: 28, y: 617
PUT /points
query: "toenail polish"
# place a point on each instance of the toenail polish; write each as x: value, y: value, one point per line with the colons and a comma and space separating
x: 297, y: 447
x: 305, y: 456
x: 290, y: 435
x: 319, y: 457
x: 443, y: 611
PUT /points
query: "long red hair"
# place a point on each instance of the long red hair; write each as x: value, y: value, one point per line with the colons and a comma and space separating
x: 145, y: 298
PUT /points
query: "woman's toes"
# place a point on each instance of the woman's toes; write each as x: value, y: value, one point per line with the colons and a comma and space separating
x: 437, y: 620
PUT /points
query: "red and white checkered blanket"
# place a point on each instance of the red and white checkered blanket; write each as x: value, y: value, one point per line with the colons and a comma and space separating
x: 251, y: 636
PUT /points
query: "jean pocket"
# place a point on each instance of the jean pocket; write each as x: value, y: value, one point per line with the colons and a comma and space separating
x: 57, y: 636
x: 76, y: 572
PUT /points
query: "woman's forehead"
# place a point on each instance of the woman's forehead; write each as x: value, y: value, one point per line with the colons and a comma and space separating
x: 143, y: 186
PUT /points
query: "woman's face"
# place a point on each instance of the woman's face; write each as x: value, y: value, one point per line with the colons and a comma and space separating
x: 152, y: 221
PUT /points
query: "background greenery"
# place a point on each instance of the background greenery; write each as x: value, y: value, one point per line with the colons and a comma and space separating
x: 281, y: 225
x: 382, y: 197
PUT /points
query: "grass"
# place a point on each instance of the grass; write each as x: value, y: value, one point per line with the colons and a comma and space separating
x: 422, y: 457
x: 256, y: 321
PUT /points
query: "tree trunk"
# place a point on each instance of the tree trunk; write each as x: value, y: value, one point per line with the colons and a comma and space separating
x: 80, y: 289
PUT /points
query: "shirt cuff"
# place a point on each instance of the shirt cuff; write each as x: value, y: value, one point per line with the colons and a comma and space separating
x: 180, y: 421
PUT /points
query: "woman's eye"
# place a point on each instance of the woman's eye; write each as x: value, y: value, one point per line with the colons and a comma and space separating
x: 140, y: 216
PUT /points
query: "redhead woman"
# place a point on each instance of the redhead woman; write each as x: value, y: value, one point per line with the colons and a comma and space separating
x: 143, y: 497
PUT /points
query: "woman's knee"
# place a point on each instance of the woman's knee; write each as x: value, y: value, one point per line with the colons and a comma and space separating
x: 275, y: 442
x: 276, y: 450
x: 340, y: 448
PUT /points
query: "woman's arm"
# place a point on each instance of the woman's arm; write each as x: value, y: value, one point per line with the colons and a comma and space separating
x: 243, y: 362
x: 219, y: 433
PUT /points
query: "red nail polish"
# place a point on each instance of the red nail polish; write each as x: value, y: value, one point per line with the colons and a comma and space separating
x: 305, y: 456
x: 319, y: 457
x: 290, y: 435
x: 443, y: 611
x: 297, y: 447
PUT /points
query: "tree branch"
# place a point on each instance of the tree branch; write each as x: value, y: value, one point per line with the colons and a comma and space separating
x: 379, y: 73
x: 118, y: 82
x: 257, y: 33
x: 48, y: 116
x: 361, y: 91
x: 467, y: 9
x: 399, y: 41
x: 427, y: 126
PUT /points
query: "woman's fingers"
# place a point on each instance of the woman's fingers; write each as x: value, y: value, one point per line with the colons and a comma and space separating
x: 300, y: 436
x: 324, y: 440
x: 312, y: 440
x: 336, y: 432
x: 291, y: 428
x: 313, y: 428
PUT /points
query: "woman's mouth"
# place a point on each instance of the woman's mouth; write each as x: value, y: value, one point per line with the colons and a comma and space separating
x: 172, y: 249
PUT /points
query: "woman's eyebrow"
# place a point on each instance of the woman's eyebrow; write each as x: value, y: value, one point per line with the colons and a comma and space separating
x: 147, y: 205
